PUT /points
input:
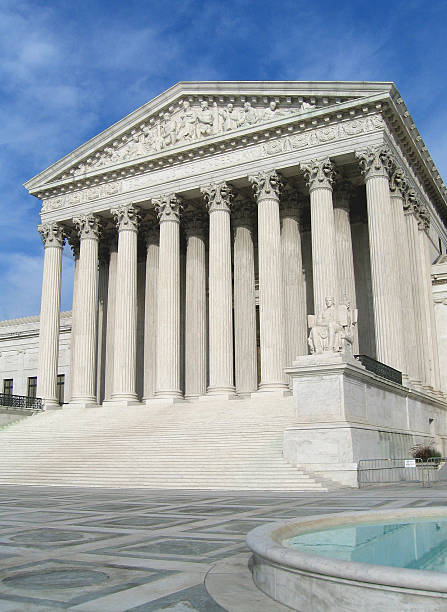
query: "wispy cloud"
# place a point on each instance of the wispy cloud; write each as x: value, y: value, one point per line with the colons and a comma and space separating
x: 22, y: 275
x: 68, y: 71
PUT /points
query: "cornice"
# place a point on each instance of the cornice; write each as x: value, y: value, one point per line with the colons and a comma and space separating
x: 402, y: 127
x: 365, y: 99
x: 296, y: 124
x: 326, y: 93
x: 214, y: 89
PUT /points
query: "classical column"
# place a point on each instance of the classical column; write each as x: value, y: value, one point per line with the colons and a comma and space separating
x: 375, y: 163
x: 319, y: 174
x: 168, y: 312
x: 150, y: 316
x: 73, y: 240
x: 85, y: 312
x: 432, y: 345
x: 245, y: 357
x: 343, y: 245
x: 103, y: 285
x: 398, y: 189
x: 293, y: 278
x: 267, y: 186
x: 218, y: 198
x: 53, y: 240
x: 110, y: 333
x: 195, y: 306
x: 411, y: 207
x: 125, y: 348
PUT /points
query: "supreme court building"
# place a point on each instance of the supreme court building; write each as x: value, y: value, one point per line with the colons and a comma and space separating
x: 209, y: 223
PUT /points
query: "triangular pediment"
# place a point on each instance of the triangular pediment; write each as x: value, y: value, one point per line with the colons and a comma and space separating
x: 190, y: 113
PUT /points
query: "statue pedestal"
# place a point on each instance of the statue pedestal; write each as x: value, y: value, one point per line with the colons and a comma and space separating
x: 345, y: 413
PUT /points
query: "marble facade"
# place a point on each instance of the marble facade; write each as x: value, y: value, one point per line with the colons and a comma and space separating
x: 220, y: 215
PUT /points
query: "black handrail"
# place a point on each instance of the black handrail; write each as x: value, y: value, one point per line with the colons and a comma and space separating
x: 381, y: 369
x: 21, y: 401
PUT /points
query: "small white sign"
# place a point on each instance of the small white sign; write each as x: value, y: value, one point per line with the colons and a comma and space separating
x: 410, y: 463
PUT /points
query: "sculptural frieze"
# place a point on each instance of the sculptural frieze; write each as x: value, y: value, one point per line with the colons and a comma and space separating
x: 186, y: 123
x: 277, y: 145
x: 332, y: 329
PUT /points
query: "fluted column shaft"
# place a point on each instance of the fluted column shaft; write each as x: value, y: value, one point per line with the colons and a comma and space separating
x: 125, y: 348
x: 320, y: 176
x: 267, y: 186
x: 246, y: 366
x: 110, y: 333
x: 432, y: 345
x: 150, y: 315
x: 345, y: 258
x: 53, y: 240
x: 103, y: 282
x: 293, y: 283
x: 195, y: 309
x: 168, y: 311
x: 384, y: 271
x: 73, y: 240
x: 417, y: 289
x: 85, y: 313
x: 220, y: 290
x: 398, y: 186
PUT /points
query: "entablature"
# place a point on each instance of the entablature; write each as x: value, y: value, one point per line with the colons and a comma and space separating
x: 193, y: 121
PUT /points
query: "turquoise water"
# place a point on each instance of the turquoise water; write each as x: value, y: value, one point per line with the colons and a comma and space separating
x: 419, y: 544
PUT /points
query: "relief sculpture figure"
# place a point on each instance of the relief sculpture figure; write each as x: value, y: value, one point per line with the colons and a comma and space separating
x: 168, y: 131
x: 204, y: 120
x: 228, y: 118
x: 248, y: 116
x: 332, y: 329
x: 187, y: 128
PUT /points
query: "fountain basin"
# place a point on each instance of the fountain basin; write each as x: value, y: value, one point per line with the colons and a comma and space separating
x: 306, y: 581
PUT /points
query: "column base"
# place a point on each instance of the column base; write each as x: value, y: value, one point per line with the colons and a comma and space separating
x: 213, y: 393
x: 123, y: 402
x: 162, y: 400
x: 268, y: 387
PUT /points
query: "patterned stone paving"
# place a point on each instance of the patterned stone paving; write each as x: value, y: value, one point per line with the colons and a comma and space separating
x: 114, y: 550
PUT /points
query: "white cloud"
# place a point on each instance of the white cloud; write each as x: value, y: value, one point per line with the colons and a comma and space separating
x: 21, y: 279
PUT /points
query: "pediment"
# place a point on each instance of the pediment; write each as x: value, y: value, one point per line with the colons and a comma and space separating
x: 190, y: 113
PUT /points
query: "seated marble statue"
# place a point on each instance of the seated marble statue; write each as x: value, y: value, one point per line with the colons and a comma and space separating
x: 332, y: 329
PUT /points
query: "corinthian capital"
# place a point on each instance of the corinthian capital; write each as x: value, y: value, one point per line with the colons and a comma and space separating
x: 411, y: 202
x: 168, y: 207
x: 319, y: 173
x: 267, y: 184
x: 52, y: 234
x: 127, y: 217
x: 398, y: 182
x: 423, y: 218
x: 218, y: 196
x: 88, y: 226
x: 375, y: 161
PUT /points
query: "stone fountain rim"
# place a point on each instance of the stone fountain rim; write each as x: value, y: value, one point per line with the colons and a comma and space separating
x: 265, y: 541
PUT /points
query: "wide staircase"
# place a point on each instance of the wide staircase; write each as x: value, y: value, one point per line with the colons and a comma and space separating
x: 221, y: 445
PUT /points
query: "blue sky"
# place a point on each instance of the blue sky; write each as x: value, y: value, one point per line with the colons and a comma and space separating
x: 68, y: 70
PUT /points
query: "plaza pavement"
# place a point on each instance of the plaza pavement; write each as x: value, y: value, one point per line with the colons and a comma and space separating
x: 112, y: 550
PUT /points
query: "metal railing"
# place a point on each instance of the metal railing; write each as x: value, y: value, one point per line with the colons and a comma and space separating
x: 435, y: 470
x: 20, y: 401
x: 383, y: 471
x: 381, y: 369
